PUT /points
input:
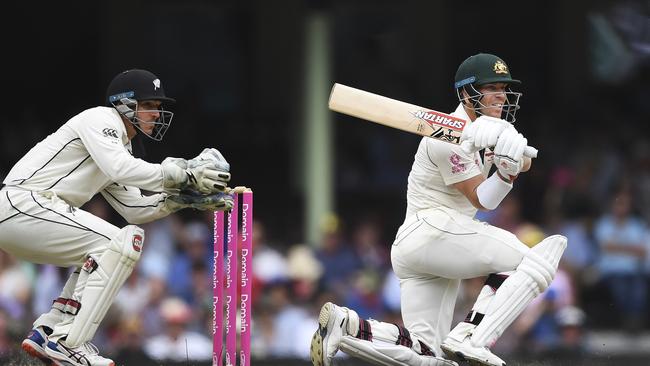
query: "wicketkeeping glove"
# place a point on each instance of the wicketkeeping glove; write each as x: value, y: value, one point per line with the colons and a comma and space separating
x: 212, y: 160
x: 194, y: 199
x: 207, y: 173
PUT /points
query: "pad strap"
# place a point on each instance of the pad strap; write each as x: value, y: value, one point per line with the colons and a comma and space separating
x: 425, y: 350
x: 365, y: 332
x: 495, y: 280
x: 474, y: 317
x: 67, y: 306
x: 404, y: 337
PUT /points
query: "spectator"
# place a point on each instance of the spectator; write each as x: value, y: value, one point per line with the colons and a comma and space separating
x: 15, y: 285
x: 134, y: 295
x: 294, y: 323
x: 373, y: 252
x: 620, y: 235
x: 337, y: 257
x: 129, y: 341
x: 193, y: 247
x: 178, y: 344
x: 5, y: 341
x: 269, y: 265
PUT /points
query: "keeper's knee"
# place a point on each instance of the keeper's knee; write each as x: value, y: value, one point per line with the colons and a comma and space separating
x: 128, y: 242
x: 106, y: 275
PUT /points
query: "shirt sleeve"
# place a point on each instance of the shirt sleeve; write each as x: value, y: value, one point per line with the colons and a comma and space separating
x: 454, y: 164
x: 103, y: 136
x: 133, y: 206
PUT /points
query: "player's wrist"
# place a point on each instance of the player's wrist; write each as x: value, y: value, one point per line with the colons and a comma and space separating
x: 492, y: 191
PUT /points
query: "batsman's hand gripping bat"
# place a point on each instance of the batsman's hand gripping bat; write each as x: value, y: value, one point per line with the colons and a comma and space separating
x: 404, y: 116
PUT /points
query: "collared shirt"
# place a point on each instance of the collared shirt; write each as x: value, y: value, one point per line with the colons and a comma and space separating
x: 89, y: 154
x: 436, y: 167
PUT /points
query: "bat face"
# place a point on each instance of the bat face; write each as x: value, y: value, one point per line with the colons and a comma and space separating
x: 403, y: 116
x: 397, y: 114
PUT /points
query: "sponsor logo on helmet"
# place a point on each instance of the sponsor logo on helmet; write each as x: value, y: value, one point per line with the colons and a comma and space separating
x: 156, y: 84
x: 436, y: 119
x: 137, y: 242
x: 500, y: 67
x: 109, y: 132
x: 117, y: 97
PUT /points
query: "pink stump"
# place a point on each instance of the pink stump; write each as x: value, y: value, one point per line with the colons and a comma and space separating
x: 217, y: 290
x: 232, y: 245
x: 246, y: 278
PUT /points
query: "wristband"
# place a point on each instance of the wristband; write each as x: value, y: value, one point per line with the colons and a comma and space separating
x: 492, y: 191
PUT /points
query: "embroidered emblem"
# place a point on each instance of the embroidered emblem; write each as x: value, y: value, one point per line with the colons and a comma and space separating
x: 456, y: 165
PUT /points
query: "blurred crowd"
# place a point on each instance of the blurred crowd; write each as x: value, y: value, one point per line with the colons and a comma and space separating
x: 164, y: 311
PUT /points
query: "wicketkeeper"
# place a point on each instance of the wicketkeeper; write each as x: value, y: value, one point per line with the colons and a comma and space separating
x: 40, y: 219
x: 440, y: 243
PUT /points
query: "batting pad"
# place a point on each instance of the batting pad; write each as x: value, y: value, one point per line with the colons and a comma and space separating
x: 105, y: 278
x: 533, y: 275
x: 386, y: 354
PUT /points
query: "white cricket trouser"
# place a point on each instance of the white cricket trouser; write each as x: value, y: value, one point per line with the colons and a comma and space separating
x: 42, y: 228
x: 433, y: 250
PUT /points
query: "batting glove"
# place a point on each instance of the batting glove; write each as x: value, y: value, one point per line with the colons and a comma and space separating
x: 511, y: 144
x: 483, y: 132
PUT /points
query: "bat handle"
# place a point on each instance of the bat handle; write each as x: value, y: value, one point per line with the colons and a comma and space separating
x: 530, y: 152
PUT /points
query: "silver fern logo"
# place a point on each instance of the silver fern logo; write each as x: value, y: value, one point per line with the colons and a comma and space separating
x: 156, y: 84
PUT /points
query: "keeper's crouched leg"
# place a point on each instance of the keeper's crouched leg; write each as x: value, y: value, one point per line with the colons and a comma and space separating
x: 106, y: 272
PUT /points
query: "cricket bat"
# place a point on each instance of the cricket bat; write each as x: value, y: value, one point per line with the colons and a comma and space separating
x: 400, y: 115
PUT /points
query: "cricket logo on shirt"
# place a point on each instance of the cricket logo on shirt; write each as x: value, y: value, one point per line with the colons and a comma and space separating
x: 109, y: 132
x: 137, y: 242
x: 456, y: 165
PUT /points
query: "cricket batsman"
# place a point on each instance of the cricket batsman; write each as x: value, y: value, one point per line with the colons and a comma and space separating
x: 440, y: 243
x: 41, y: 222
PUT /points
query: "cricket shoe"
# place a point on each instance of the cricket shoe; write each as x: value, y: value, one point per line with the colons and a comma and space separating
x: 332, y: 326
x: 34, y: 345
x: 463, y: 351
x: 84, y: 355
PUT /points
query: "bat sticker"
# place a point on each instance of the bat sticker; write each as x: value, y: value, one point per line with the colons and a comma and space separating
x: 435, y: 119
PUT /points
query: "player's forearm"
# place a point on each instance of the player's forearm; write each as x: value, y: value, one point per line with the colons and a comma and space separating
x: 133, y: 206
x: 492, y: 191
x: 129, y: 171
x: 148, y: 214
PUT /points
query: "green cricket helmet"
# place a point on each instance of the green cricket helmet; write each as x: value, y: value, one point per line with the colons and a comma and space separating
x: 482, y: 69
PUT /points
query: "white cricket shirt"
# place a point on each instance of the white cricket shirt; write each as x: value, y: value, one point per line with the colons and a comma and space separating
x: 437, y: 166
x: 89, y: 154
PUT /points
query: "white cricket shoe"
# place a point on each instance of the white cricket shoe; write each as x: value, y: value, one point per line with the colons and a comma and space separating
x: 332, y: 325
x: 464, y: 351
x: 84, y: 355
